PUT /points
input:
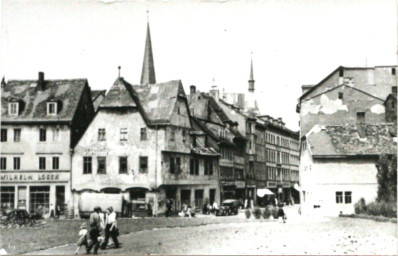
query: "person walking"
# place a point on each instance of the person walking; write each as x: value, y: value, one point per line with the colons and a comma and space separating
x: 95, y: 229
x: 110, y: 229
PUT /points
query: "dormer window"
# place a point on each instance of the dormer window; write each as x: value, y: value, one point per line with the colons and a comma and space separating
x: 13, y: 108
x: 51, y: 108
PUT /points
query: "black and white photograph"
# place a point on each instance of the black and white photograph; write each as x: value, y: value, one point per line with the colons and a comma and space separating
x: 198, y: 127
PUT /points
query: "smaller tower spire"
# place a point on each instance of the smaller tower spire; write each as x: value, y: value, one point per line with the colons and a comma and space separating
x: 251, y: 79
x: 119, y: 71
x: 148, y: 67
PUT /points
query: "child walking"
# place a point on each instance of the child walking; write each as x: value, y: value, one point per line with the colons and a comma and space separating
x: 83, y: 237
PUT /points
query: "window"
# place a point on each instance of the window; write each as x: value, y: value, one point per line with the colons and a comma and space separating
x: 13, y: 108
x: 43, y: 134
x: 55, y: 163
x: 17, y: 135
x: 347, y: 197
x: 178, y: 164
x: 341, y: 72
x: 123, y: 134
x: 143, y: 164
x: 172, y: 135
x: 172, y: 166
x: 143, y: 134
x: 208, y: 167
x: 3, y: 135
x: 51, y: 108
x: 194, y: 166
x: 101, y: 134
x: 339, y: 197
x: 178, y: 110
x: 87, y: 164
x: 42, y: 163
x: 361, y: 117
x: 17, y: 163
x: 392, y: 104
x: 340, y: 95
x: 123, y: 164
x: 184, y: 136
x: 393, y: 71
x: 3, y: 163
x: 101, y: 165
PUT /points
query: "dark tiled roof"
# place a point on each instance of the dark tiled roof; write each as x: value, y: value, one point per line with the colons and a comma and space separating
x: 96, y: 93
x: 158, y: 100
x: 344, y: 140
x: 119, y: 96
x: 33, y: 107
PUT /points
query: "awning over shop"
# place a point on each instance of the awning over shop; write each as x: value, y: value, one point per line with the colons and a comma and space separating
x: 296, y: 187
x: 264, y: 191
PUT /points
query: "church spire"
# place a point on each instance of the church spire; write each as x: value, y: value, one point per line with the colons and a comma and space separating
x: 148, y: 67
x: 251, y: 79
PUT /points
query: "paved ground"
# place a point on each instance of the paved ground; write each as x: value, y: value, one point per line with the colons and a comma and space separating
x: 298, y: 236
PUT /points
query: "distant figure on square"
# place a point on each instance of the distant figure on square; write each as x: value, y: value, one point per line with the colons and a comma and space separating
x: 95, y: 229
x: 281, y: 213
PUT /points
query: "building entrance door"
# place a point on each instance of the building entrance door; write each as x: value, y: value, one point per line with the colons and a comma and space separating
x: 21, y: 198
x: 212, y: 196
x: 171, y: 194
x: 185, y: 197
x: 198, y: 198
x: 60, y: 200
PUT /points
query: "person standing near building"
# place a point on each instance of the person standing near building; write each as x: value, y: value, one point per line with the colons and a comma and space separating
x: 95, y: 229
x: 110, y: 228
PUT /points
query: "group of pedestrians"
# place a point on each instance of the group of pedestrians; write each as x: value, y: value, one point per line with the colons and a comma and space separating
x: 210, y: 208
x: 102, y: 227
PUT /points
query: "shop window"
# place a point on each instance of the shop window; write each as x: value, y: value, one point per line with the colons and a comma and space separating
x: 101, y: 165
x: 123, y: 134
x: 3, y: 135
x: 143, y: 164
x: 101, y: 134
x: 123, y: 164
x: 17, y: 163
x: 43, y: 134
x: 7, y: 197
x: 3, y: 163
x: 39, y: 199
x: 42, y: 163
x: 172, y: 165
x: 143, y: 133
x: 17, y: 135
x: 347, y: 197
x: 339, y: 197
x: 55, y: 163
x: 87, y: 164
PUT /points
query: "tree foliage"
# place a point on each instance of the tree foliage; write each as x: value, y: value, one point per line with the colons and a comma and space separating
x: 387, y: 178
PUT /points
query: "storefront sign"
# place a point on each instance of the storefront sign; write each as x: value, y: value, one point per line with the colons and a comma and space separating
x: 271, y: 184
x: 240, y: 184
x: 33, y: 177
x: 286, y: 184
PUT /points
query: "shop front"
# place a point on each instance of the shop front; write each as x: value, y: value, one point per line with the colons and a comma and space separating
x: 47, y: 192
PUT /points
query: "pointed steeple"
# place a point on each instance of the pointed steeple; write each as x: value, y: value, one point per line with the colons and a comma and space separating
x: 148, y: 68
x: 251, y: 79
x: 3, y: 82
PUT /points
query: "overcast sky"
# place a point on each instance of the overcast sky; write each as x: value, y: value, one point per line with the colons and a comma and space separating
x: 293, y: 42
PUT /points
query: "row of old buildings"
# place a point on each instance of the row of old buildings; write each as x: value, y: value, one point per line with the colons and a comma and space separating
x: 67, y: 147
x: 346, y: 122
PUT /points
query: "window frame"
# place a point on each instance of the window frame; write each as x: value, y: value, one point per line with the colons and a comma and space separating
x: 13, y: 108
x: 17, y: 135
x: 172, y: 165
x: 143, y: 160
x: 3, y: 163
x: 17, y: 163
x: 347, y: 195
x: 123, y: 134
x: 55, y: 163
x: 339, y: 197
x: 43, y: 134
x: 101, y: 134
x: 101, y: 162
x: 123, y: 162
x: 50, y: 111
x: 87, y: 165
x: 4, y: 135
x: 143, y: 134
x: 42, y: 163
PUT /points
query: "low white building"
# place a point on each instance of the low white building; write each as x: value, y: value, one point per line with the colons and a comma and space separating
x: 338, y: 166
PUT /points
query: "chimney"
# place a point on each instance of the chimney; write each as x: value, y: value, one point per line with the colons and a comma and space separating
x: 192, y: 89
x: 40, y: 82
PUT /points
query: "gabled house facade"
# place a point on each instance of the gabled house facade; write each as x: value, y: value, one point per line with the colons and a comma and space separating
x: 223, y: 135
x: 41, y: 122
x: 346, y: 123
